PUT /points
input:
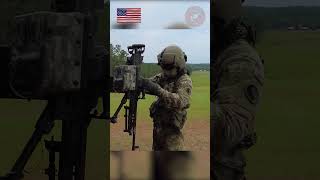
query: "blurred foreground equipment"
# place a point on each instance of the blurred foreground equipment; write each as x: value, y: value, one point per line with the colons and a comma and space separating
x: 54, y: 56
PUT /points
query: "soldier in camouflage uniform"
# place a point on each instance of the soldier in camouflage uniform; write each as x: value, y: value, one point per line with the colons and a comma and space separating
x: 173, y: 87
x: 237, y: 80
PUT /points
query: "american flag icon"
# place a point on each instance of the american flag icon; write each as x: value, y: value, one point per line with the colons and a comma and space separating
x: 128, y: 15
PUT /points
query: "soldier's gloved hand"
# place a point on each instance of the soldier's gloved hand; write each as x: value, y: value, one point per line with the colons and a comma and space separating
x: 151, y: 87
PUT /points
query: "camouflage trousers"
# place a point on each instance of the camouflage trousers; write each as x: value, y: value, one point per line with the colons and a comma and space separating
x: 221, y: 172
x: 228, y: 169
x: 167, y: 138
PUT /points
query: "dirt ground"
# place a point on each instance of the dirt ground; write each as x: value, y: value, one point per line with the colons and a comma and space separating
x: 196, y: 136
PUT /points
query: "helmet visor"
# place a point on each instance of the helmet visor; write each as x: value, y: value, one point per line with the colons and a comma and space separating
x: 168, y: 61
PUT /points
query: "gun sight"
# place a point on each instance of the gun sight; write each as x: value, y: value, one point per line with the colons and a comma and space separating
x: 136, y: 49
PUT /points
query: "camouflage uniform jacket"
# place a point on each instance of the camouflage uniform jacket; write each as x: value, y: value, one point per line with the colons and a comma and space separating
x: 170, y: 107
x: 237, y: 80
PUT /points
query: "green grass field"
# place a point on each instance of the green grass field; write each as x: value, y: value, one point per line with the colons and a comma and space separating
x: 288, y: 118
x: 200, y: 99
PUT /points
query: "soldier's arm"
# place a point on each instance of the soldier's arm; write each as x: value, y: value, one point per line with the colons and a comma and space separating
x: 156, y: 78
x: 145, y: 83
x: 179, y: 99
x: 234, y: 101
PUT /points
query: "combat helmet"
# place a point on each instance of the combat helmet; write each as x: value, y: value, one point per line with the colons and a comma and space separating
x: 173, y: 57
x: 229, y: 25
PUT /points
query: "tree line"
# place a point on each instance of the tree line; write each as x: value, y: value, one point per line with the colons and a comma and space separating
x: 118, y: 56
x: 265, y: 18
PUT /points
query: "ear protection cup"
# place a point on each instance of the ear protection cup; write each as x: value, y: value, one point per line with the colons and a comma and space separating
x: 185, y: 57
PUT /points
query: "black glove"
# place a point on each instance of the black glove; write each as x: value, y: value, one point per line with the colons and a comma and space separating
x: 150, y: 87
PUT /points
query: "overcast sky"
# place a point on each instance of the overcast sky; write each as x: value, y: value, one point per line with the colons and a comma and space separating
x: 156, y: 16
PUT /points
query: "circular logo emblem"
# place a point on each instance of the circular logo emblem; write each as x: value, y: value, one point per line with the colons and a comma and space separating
x: 195, y: 16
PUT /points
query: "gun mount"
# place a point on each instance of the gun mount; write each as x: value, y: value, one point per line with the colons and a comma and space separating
x: 125, y: 80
